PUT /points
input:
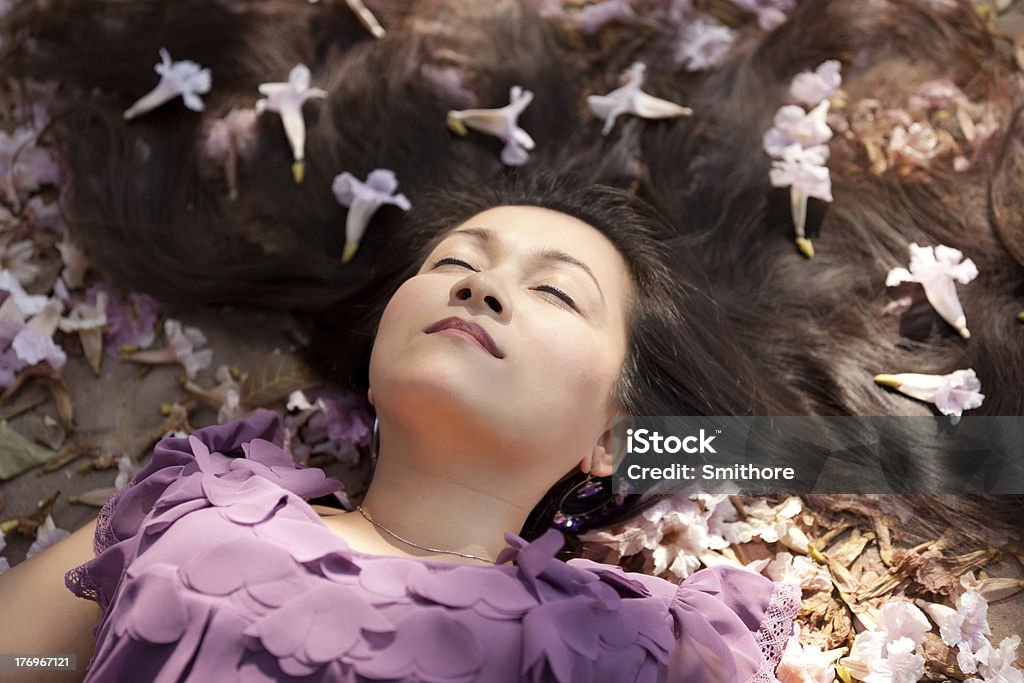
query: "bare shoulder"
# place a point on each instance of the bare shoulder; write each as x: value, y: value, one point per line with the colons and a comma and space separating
x: 40, y: 615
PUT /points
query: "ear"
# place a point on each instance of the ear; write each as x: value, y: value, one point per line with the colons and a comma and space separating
x: 369, y: 396
x: 604, y: 458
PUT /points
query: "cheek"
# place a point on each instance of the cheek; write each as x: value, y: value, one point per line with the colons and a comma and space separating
x: 581, y: 367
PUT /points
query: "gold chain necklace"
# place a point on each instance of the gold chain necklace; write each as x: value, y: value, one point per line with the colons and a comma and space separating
x: 369, y: 518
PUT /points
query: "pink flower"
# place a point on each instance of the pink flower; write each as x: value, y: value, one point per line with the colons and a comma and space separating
x: 24, y: 167
x: 129, y: 323
x: 229, y: 138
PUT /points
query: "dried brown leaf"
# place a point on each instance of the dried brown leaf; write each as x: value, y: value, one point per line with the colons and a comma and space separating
x: 22, y: 407
x: 27, y: 525
x: 17, y: 453
x: 92, y: 346
x: 849, y: 549
x: 63, y: 401
x: 95, y: 497
x: 27, y: 374
x: 278, y: 376
x: 884, y: 539
x: 76, y: 448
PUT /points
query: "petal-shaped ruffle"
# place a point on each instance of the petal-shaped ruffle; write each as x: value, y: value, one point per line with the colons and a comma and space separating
x: 717, y: 612
x: 317, y: 626
x: 429, y: 645
x: 213, y: 567
x: 218, y: 572
x: 493, y: 593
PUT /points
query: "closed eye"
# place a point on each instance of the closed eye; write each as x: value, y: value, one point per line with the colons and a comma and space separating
x: 560, y: 294
x: 456, y: 261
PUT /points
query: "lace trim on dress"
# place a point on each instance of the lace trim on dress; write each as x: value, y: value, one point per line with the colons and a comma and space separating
x: 104, y: 537
x: 776, y: 629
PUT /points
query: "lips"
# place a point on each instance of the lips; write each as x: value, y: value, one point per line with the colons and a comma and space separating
x: 472, y: 329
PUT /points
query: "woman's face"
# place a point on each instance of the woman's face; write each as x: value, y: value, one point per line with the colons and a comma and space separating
x: 551, y: 292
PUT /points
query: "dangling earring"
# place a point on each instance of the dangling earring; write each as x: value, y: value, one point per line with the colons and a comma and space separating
x: 375, y: 442
x: 588, y: 488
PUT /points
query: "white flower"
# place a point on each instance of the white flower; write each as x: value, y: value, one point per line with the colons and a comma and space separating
x: 184, y: 78
x: 46, y: 535
x: 952, y: 394
x: 286, y: 99
x: 793, y: 125
x: 723, y: 520
x: 232, y: 408
x: 806, y: 663
x: 902, y: 619
x: 126, y: 469
x: 501, y: 123
x: 630, y: 99
x: 966, y: 629
x: 34, y: 343
x: 225, y: 396
x: 998, y: 664
x: 917, y: 144
x: 938, y: 269
x: 811, y: 87
x: 800, y: 570
x: 85, y: 317
x: 803, y: 170
x: 28, y: 304
x: 901, y: 664
x: 770, y: 13
x: 887, y: 655
x: 182, y: 347
x: 365, y: 16
x: 297, y: 402
x: 363, y: 199
x: 593, y: 17
x: 76, y: 265
x: 704, y: 44
x: 16, y: 258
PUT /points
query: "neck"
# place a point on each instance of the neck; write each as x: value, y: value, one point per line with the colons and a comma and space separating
x: 438, y: 499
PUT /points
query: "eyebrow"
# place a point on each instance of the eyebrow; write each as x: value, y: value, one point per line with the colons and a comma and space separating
x: 488, y: 237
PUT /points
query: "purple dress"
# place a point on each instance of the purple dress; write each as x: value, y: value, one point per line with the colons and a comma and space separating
x: 211, y: 566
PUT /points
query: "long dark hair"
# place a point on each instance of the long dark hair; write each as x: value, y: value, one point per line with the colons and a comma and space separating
x: 729, y: 320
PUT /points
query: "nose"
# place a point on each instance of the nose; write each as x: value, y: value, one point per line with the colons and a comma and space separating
x: 482, y: 292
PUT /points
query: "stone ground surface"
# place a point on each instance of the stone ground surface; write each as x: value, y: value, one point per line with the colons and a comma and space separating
x: 121, y: 408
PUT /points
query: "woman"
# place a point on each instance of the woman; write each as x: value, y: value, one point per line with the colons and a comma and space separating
x: 496, y: 368
x: 654, y: 339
